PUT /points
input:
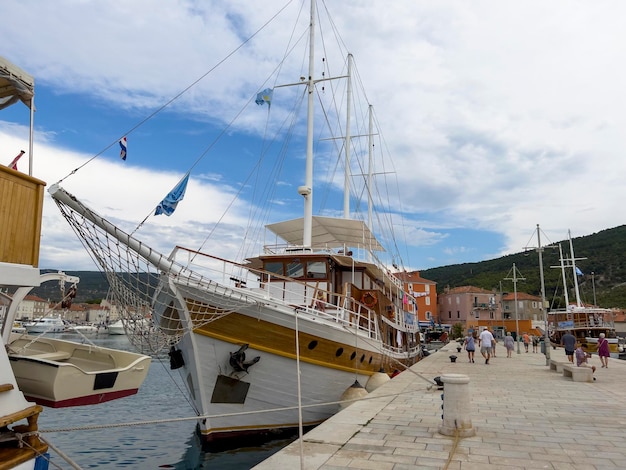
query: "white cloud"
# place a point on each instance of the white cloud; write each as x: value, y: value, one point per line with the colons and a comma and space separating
x: 499, y: 115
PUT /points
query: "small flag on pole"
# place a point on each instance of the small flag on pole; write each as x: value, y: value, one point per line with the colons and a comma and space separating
x: 123, y: 148
x: 13, y: 164
x: 578, y: 272
x: 265, y: 96
x: 168, y: 205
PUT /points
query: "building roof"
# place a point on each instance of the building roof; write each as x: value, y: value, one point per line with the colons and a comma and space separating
x: 520, y: 296
x: 34, y: 298
x: 467, y: 290
x: 413, y: 276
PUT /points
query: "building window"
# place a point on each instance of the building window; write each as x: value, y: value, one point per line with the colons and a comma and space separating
x: 427, y: 300
x: 427, y: 288
x: 449, y: 314
x: 491, y: 314
x: 458, y: 300
x: 458, y: 314
x: 477, y: 313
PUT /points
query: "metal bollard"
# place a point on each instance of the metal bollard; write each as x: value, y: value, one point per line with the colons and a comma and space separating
x: 456, y: 406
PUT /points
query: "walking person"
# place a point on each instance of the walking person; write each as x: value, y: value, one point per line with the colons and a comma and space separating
x: 485, y: 340
x: 470, y: 346
x: 568, y: 341
x: 509, y: 344
x: 535, y: 341
x: 603, y: 350
x: 526, y: 340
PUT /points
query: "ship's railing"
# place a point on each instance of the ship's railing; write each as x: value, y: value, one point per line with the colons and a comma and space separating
x: 250, y: 284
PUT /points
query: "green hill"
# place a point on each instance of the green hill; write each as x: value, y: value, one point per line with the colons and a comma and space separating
x: 604, y: 253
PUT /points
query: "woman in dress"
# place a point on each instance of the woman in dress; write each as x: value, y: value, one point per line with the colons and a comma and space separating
x: 603, y: 350
x: 470, y: 346
x: 509, y: 344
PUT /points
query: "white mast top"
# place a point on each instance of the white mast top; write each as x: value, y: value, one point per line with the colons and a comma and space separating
x: 307, y: 190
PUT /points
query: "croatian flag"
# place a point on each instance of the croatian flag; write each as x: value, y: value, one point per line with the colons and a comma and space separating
x: 13, y: 164
x: 123, y: 148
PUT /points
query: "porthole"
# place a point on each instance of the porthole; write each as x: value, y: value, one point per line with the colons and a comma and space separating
x: 352, y: 356
x: 362, y: 358
x: 313, y: 344
x: 339, y: 352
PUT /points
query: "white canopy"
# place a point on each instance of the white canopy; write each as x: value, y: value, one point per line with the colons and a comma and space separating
x: 15, y: 84
x: 328, y: 231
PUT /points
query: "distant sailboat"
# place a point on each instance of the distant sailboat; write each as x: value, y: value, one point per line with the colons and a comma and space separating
x: 584, y: 322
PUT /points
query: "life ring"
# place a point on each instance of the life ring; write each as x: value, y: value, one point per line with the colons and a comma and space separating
x: 369, y: 299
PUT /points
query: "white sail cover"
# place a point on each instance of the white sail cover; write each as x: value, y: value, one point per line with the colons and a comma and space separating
x: 15, y: 85
x: 328, y: 231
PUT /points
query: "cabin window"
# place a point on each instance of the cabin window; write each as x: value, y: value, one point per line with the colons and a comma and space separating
x: 316, y: 270
x: 295, y: 269
x: 275, y: 267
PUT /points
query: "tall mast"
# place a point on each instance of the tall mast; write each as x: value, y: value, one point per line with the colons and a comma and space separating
x: 307, y: 190
x: 571, y: 250
x: 346, y: 183
x: 565, y: 294
x: 370, y: 154
x: 546, y: 340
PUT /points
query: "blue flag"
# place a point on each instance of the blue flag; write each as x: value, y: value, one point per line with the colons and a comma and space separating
x: 578, y: 272
x: 168, y: 205
x: 265, y: 96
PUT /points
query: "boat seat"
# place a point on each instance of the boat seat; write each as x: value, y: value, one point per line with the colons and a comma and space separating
x: 578, y: 374
x: 90, y: 360
x: 53, y: 356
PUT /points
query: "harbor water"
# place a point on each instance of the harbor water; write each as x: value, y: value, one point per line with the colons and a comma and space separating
x: 148, y: 430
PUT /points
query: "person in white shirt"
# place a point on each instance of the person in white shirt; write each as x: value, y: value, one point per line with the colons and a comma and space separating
x: 485, y: 341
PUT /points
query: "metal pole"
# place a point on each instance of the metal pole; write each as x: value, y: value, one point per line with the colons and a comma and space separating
x: 546, y: 336
x: 593, y: 285
x: 515, y: 299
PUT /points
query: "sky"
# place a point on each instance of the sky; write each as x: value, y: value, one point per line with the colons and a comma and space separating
x: 498, y: 116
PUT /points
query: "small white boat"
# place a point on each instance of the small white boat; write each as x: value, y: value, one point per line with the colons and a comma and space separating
x: 59, y: 373
x: 46, y: 325
x: 18, y: 327
x: 82, y: 329
x: 116, y: 328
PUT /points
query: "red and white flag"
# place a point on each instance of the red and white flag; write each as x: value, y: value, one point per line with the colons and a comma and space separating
x: 13, y: 164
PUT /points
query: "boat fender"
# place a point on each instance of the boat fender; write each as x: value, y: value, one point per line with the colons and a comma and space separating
x: 369, y: 299
x: 176, y: 358
x: 376, y: 380
x: 238, y: 361
x: 354, y: 392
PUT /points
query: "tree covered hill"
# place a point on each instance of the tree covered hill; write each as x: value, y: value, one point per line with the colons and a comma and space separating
x: 605, y: 254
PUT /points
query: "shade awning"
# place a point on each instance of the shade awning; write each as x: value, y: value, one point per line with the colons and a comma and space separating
x: 15, y: 85
x: 329, y: 232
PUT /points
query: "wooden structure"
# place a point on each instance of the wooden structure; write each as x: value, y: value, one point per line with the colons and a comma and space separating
x: 21, y: 207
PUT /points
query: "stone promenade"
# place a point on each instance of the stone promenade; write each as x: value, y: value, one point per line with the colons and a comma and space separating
x: 525, y: 416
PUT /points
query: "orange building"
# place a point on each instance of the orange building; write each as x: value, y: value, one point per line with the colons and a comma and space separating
x: 423, y: 292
